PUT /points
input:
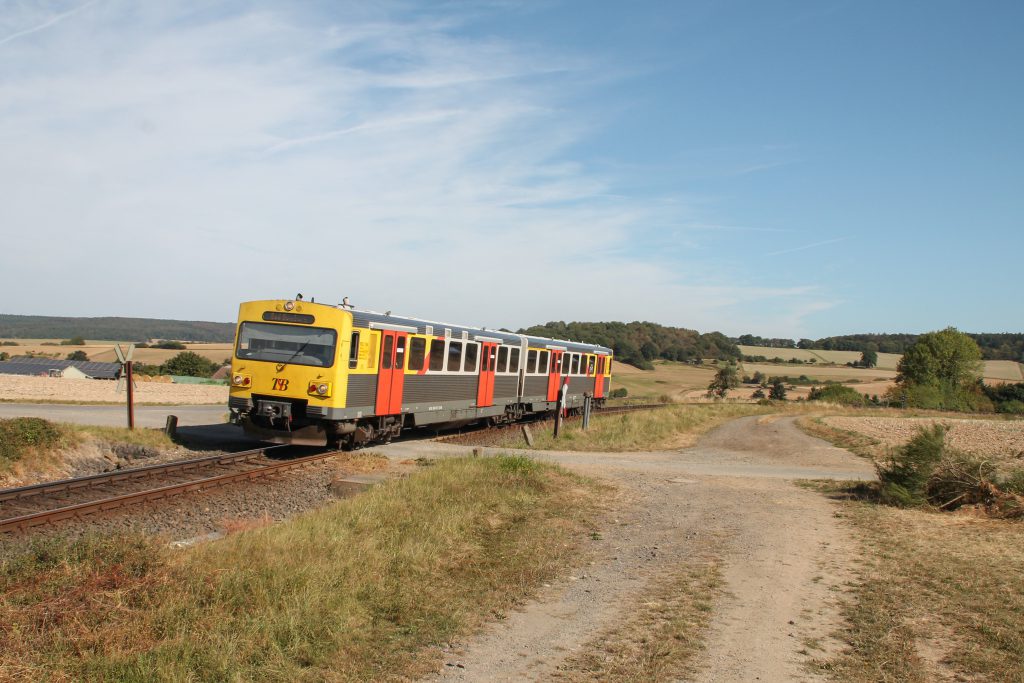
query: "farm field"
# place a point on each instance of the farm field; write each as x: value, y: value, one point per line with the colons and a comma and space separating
x: 886, y: 361
x: 993, y: 439
x: 673, y: 379
x: 103, y: 351
x: 19, y: 388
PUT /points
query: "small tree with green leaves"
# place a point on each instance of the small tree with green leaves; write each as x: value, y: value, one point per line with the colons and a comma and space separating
x: 868, y: 359
x: 78, y: 355
x: 189, y: 363
x: 727, y: 377
x: 778, y: 391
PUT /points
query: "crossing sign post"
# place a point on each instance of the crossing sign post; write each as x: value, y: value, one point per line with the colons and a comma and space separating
x: 124, y: 357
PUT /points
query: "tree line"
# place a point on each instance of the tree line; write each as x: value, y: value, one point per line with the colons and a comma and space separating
x: 639, y: 343
x: 993, y: 345
x: 113, y: 329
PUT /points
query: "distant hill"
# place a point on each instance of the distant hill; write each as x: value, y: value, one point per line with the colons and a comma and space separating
x: 113, y: 329
x: 638, y: 343
x: 994, y: 345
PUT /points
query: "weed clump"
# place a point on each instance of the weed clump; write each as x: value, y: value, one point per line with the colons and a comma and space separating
x: 924, y: 472
x: 22, y: 435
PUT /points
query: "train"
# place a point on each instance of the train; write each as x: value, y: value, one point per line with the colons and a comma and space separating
x: 308, y: 373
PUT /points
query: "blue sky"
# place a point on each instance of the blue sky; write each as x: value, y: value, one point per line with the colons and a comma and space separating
x: 795, y: 169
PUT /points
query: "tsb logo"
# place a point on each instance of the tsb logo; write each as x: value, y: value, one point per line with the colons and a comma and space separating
x: 280, y: 384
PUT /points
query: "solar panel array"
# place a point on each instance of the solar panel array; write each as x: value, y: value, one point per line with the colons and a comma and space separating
x: 26, y: 365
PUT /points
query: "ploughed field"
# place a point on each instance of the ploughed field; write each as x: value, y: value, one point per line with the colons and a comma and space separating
x: 995, y: 439
x: 22, y: 389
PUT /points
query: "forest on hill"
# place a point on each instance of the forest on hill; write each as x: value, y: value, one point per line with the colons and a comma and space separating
x: 994, y: 345
x: 639, y: 343
x: 113, y: 329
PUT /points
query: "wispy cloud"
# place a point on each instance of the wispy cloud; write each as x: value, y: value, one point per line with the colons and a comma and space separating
x: 241, y: 155
x: 807, y: 246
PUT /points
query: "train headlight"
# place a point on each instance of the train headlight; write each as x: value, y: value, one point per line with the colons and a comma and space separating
x: 289, y: 305
x: 319, y: 388
x: 240, y: 380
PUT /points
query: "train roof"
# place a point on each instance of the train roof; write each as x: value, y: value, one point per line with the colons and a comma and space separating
x: 362, y: 318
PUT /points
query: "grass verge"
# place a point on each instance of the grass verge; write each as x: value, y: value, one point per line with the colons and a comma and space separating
x: 354, y: 591
x: 858, y: 444
x: 676, y: 426
x: 660, y: 638
x: 940, y: 597
x: 35, y: 443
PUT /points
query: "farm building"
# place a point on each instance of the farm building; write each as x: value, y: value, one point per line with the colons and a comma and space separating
x: 52, y: 367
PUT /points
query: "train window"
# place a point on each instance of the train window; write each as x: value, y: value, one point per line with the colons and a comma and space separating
x: 542, y: 362
x: 609, y: 368
x: 566, y: 363
x: 471, y: 357
x: 386, y: 355
x: 400, y: 353
x: 531, y: 361
x: 502, y: 359
x: 437, y: 355
x: 353, y: 351
x: 590, y: 365
x: 575, y: 369
x: 513, y: 361
x: 454, y: 356
x: 417, y: 353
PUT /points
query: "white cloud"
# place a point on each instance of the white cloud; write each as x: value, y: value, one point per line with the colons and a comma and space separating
x: 167, y: 162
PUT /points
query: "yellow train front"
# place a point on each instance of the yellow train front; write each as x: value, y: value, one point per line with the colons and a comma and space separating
x: 314, y: 374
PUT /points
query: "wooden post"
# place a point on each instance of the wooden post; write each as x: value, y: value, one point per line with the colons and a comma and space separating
x: 558, y: 412
x: 171, y: 428
x: 131, y: 394
x: 528, y: 435
x: 586, y: 411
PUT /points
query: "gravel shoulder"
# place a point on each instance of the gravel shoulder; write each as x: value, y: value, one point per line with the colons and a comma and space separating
x: 731, y: 496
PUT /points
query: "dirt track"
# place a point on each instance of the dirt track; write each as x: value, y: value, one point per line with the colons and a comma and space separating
x: 730, y: 497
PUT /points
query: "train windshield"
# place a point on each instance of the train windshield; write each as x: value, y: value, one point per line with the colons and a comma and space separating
x: 287, y: 344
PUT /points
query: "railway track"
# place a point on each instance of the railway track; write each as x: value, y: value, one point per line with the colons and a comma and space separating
x: 29, y: 506
x: 72, y: 499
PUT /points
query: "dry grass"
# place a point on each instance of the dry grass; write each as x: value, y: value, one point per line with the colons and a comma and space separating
x: 940, y: 597
x: 355, y: 591
x: 673, y: 379
x: 1005, y: 370
x: 659, y: 639
x: 676, y: 426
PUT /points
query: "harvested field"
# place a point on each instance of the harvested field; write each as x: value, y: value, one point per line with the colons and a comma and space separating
x: 56, y: 389
x: 822, y: 374
x: 673, y: 379
x: 886, y: 361
x: 103, y: 351
x: 990, y: 438
x: 1005, y: 370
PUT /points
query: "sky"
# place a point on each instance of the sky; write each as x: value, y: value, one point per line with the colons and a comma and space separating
x: 788, y: 169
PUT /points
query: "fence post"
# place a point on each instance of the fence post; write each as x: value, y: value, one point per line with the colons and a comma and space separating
x: 587, y: 399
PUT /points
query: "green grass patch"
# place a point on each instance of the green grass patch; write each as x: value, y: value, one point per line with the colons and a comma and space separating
x: 354, y: 591
x: 29, y: 439
x: 940, y: 597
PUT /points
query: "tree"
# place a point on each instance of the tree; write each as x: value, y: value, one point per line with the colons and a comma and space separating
x: 74, y: 341
x: 78, y: 355
x: 189, y: 363
x: 949, y: 358
x: 726, y: 378
x: 4, y: 355
x: 868, y: 358
x: 778, y: 391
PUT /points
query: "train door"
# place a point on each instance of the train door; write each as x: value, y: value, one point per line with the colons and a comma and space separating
x: 599, y: 378
x: 555, y: 375
x: 485, y: 388
x: 391, y: 376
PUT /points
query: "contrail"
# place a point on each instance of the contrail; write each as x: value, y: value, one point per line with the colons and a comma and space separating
x: 46, y: 24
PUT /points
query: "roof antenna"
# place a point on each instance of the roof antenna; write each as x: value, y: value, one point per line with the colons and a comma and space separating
x: 345, y: 303
x: 298, y: 297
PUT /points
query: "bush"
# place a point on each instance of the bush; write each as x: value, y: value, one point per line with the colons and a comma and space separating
x: 836, y: 393
x: 621, y: 392
x: 778, y: 391
x: 189, y: 363
x: 1012, y: 407
x: 22, y: 434
x: 172, y: 345
x: 4, y: 355
x: 78, y: 355
x: 74, y: 341
x: 9, y: 343
x: 904, y: 475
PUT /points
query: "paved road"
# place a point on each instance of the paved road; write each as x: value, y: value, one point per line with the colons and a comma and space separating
x: 115, y: 415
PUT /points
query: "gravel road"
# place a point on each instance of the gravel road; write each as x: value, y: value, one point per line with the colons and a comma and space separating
x: 731, y: 496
